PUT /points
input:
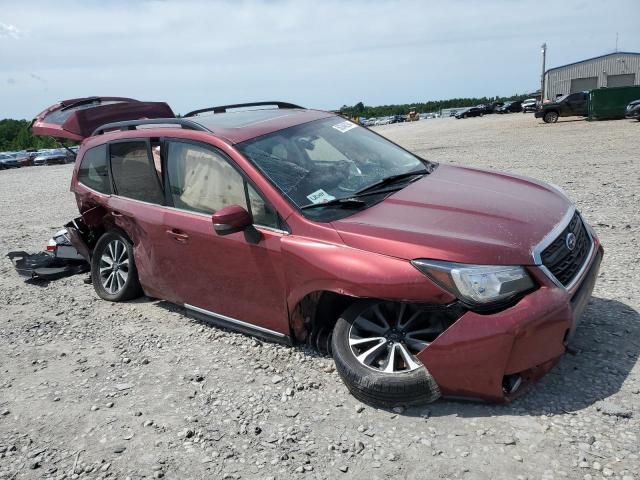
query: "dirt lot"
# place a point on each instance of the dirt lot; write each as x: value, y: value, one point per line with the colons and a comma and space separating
x: 137, y: 390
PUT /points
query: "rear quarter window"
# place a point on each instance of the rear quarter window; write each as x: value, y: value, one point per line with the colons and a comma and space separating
x: 93, y: 171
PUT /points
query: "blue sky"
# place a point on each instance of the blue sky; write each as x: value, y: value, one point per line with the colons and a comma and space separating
x: 320, y: 54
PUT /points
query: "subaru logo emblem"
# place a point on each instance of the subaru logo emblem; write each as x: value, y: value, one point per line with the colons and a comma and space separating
x: 570, y: 241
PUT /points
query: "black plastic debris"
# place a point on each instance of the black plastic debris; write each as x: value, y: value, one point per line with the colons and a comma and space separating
x: 60, y: 260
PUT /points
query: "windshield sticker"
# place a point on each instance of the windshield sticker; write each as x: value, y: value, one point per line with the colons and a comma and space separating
x: 344, y: 126
x: 320, y: 196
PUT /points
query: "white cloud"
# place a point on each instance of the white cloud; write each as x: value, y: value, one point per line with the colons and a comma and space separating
x: 320, y: 54
x: 9, y: 31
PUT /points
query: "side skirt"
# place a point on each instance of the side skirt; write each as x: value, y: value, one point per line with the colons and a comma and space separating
x: 237, y: 325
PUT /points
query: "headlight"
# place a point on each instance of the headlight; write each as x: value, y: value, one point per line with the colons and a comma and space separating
x: 477, y: 284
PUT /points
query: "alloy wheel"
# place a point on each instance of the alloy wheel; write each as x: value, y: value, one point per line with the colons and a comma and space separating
x: 386, y: 336
x: 114, y: 267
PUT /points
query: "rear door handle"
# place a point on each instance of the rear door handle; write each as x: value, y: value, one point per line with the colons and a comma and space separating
x: 178, y: 236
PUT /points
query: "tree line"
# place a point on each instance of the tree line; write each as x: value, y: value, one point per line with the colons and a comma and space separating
x: 361, y: 110
x: 16, y: 135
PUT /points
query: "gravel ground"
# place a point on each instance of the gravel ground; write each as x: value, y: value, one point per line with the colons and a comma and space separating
x: 91, y: 389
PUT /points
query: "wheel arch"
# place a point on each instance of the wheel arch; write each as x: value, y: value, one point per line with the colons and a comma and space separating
x: 313, y: 316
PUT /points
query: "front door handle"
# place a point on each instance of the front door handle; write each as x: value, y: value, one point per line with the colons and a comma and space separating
x: 178, y: 235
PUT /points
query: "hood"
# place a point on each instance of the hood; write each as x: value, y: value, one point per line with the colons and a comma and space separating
x: 459, y: 214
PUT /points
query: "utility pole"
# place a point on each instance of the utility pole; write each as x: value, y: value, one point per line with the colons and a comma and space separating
x: 543, y: 49
x: 616, y: 42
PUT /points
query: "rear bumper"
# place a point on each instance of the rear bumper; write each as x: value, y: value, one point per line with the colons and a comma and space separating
x: 473, y: 356
x: 539, y: 114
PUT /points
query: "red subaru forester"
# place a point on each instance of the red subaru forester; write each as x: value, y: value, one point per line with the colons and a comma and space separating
x: 297, y: 225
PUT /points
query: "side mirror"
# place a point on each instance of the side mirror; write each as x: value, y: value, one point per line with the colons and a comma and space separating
x: 233, y: 219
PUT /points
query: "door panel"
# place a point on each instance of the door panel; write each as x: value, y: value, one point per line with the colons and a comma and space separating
x: 225, y: 275
x: 144, y: 224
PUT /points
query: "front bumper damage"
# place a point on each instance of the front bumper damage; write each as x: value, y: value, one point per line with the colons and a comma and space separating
x: 495, y: 357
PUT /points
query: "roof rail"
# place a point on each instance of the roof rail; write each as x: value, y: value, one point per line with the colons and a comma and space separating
x: 133, y: 124
x: 224, y: 108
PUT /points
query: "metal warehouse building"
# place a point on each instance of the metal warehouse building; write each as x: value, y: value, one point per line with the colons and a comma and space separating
x: 620, y: 69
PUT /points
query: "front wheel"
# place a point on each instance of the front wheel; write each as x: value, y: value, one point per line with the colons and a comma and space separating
x: 113, y: 269
x: 550, y: 117
x: 374, y: 344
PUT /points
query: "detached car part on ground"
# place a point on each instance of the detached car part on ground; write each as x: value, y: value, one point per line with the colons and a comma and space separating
x: 296, y: 225
x: 61, y: 259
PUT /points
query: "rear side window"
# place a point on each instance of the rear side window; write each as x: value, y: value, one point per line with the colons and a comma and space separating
x: 134, y: 174
x: 93, y: 170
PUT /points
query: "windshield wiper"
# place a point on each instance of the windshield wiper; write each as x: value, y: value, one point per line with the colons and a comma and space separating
x: 391, y: 179
x: 348, y: 202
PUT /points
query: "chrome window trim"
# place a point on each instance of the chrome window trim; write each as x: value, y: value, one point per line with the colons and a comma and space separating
x: 208, y: 215
x: 234, y: 321
x: 270, y: 229
x: 550, y: 237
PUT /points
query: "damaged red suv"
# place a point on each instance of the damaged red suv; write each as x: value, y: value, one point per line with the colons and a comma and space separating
x: 299, y: 226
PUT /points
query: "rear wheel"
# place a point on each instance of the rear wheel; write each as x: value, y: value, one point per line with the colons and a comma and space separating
x: 113, y: 269
x: 550, y: 117
x: 374, y: 345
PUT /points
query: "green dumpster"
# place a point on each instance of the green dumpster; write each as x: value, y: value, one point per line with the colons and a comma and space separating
x: 610, y: 103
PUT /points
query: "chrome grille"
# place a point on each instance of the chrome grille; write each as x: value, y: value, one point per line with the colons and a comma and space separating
x: 564, y: 262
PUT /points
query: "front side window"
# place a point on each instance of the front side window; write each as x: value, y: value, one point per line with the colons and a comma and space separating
x: 328, y: 159
x: 93, y: 170
x: 133, y: 171
x: 202, y: 180
x: 262, y: 213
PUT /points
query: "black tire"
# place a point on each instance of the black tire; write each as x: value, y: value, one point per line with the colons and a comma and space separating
x: 124, y: 289
x: 550, y: 117
x: 386, y: 390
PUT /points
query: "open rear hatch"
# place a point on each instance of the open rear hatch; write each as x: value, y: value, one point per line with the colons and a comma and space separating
x: 77, y: 118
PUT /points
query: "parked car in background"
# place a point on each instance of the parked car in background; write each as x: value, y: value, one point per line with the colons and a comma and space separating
x: 633, y: 110
x: 486, y: 108
x: 383, y: 121
x: 529, y: 105
x: 298, y: 226
x: 572, y: 105
x: 8, y: 160
x: 510, y: 107
x: 23, y: 158
x: 495, y: 106
x: 470, y: 112
x: 58, y: 156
